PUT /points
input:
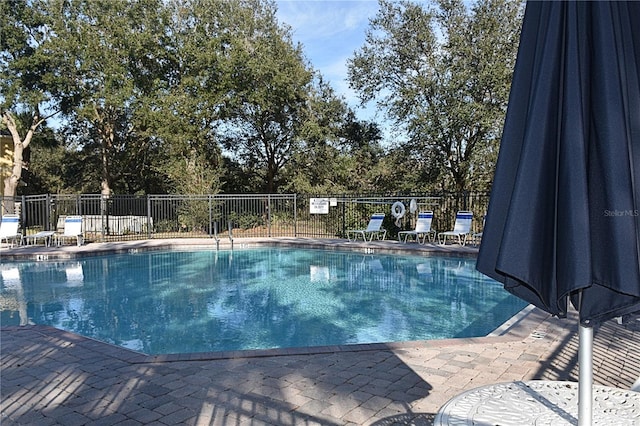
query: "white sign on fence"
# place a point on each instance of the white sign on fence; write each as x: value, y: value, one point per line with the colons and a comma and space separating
x: 319, y: 205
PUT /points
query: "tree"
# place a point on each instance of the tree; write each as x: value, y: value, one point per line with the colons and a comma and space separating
x: 317, y: 164
x: 92, y: 61
x: 361, y: 144
x: 151, y: 94
x: 119, y: 52
x: 444, y: 74
x: 336, y: 153
x: 269, y: 96
x: 31, y: 79
x: 186, y: 112
x: 41, y: 159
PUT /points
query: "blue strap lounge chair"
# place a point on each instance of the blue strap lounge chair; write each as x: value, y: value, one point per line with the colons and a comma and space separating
x: 374, y: 229
x: 461, y: 229
x: 72, y: 230
x: 9, y: 229
x: 422, y: 230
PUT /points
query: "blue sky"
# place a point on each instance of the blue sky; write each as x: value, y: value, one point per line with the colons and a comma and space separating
x: 330, y: 32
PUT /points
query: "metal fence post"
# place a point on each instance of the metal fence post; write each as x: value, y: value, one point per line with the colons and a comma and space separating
x: 148, y: 216
x: 344, y: 214
x: 22, y: 212
x: 104, y: 216
x: 210, y: 213
x: 269, y: 215
x: 295, y: 215
x: 47, y: 213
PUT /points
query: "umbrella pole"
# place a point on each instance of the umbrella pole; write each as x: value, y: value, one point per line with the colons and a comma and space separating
x: 585, y: 375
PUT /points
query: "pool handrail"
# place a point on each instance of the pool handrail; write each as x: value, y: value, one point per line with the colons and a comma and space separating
x: 215, y: 235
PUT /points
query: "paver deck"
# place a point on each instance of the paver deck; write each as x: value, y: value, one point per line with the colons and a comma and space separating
x: 52, y: 377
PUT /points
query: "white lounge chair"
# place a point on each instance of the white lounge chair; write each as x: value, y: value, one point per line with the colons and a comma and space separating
x: 422, y: 229
x: 477, y: 236
x: 461, y: 229
x: 72, y: 230
x: 374, y: 229
x: 9, y: 229
x: 42, y: 235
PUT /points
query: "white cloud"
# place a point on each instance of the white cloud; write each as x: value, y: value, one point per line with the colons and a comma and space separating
x: 314, y: 21
x: 330, y: 32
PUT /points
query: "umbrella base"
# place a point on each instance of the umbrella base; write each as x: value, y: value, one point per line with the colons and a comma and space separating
x: 538, y: 402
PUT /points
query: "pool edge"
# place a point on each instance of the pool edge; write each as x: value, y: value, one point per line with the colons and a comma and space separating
x: 526, y: 321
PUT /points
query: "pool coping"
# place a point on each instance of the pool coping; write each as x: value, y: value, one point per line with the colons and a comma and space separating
x: 42, y: 253
x: 516, y: 328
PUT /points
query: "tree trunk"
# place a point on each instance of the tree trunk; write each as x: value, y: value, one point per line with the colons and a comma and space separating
x: 105, y: 126
x: 19, y: 145
x: 11, y: 182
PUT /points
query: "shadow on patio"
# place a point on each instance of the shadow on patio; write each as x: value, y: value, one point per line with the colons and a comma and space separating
x: 50, y: 376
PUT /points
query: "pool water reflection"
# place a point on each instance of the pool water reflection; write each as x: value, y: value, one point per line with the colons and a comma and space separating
x: 201, y: 301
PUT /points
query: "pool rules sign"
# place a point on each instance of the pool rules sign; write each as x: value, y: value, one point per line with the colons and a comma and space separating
x: 319, y: 205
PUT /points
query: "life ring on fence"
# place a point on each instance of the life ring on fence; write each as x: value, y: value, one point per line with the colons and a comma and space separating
x: 397, y: 210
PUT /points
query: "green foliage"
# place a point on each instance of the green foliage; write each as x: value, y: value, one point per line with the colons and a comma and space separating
x: 444, y: 74
x: 246, y: 220
x: 193, y: 215
x: 31, y: 76
x: 269, y: 84
x: 45, y: 174
x: 165, y: 226
x: 336, y: 152
x: 202, y: 96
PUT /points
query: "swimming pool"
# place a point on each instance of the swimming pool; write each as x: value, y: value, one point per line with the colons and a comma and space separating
x: 201, y: 301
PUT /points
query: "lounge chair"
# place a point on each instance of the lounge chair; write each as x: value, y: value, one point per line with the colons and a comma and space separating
x: 423, y: 229
x: 9, y: 229
x: 45, y: 236
x: 72, y: 230
x: 461, y: 229
x: 477, y: 236
x: 374, y: 229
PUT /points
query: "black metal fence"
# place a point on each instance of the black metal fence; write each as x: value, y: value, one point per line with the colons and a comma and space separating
x: 130, y: 217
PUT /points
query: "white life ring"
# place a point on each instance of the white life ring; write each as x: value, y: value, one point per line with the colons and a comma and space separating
x: 397, y: 210
x: 413, y: 206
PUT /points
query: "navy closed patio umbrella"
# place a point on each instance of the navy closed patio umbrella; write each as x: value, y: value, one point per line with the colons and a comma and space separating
x: 563, y: 223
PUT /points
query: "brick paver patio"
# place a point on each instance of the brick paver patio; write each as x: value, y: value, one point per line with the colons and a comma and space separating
x: 52, y: 377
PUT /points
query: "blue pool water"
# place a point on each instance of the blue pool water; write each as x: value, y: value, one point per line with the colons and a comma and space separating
x: 200, y: 301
